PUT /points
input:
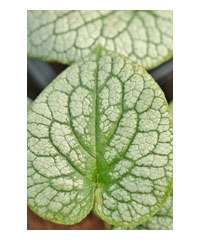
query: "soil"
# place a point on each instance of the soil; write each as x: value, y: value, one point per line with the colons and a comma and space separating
x: 91, y: 222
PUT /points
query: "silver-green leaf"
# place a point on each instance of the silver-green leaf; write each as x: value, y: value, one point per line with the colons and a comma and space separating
x: 67, y: 36
x: 100, y: 134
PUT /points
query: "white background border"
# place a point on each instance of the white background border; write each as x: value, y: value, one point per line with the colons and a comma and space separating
x: 186, y: 119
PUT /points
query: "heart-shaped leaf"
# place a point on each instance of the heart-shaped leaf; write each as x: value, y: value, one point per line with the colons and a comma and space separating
x: 100, y: 134
x: 67, y: 36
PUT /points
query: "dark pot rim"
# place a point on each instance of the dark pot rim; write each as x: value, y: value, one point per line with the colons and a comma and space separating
x: 42, y: 73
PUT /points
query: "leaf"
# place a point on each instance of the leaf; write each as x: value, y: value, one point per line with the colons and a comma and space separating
x: 67, y: 36
x: 162, y: 220
x: 100, y: 134
x: 29, y: 102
